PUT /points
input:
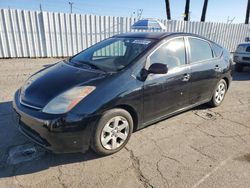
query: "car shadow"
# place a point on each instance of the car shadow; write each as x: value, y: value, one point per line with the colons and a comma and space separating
x: 10, y: 138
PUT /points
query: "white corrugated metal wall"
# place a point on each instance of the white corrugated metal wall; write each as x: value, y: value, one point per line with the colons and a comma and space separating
x: 47, y: 34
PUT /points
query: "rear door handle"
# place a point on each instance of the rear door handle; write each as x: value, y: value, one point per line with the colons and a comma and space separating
x: 186, y: 77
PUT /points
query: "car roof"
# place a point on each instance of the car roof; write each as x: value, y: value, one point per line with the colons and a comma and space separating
x: 244, y: 44
x: 160, y: 35
x: 153, y: 35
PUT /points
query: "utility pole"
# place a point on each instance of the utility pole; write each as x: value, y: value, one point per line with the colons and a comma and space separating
x: 132, y: 14
x: 71, y: 5
x: 247, y: 12
x: 186, y: 14
x: 168, y: 9
x: 40, y: 6
x: 204, y: 10
x: 139, y: 13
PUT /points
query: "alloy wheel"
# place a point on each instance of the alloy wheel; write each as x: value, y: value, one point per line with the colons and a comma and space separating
x: 115, y: 133
x: 220, y: 93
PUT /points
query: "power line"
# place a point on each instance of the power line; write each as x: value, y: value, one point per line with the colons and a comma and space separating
x: 229, y: 21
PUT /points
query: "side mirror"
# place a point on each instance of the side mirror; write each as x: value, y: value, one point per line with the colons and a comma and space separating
x: 247, y: 39
x: 158, y: 68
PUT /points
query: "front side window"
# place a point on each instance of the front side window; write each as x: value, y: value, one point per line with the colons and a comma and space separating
x: 200, y: 50
x: 112, y: 54
x: 172, y: 54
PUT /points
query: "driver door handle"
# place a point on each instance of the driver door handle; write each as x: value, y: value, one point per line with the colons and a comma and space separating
x: 186, y: 77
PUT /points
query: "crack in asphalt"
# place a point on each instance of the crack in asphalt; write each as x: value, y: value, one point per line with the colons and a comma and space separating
x: 171, y: 158
x: 18, y: 182
x: 164, y: 157
x: 179, y: 133
x: 241, y: 101
x: 136, y: 166
x: 224, y: 118
x: 160, y: 150
x: 206, y: 133
x: 202, y: 153
x: 232, y: 121
x: 242, y: 139
x: 59, y: 177
x: 159, y: 171
x: 222, y: 136
x: 236, y: 122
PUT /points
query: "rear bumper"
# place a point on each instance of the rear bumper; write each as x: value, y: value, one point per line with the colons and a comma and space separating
x: 60, y: 134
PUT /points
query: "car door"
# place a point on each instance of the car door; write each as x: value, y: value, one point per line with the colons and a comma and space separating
x: 204, y: 70
x: 166, y: 93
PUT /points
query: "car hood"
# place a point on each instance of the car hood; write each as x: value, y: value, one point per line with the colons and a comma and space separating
x: 48, y: 83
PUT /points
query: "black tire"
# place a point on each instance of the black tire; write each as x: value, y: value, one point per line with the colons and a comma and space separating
x: 238, y: 67
x: 96, y: 144
x: 213, y: 102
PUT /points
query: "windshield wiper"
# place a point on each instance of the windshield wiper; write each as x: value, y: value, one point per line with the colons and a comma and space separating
x: 91, y: 65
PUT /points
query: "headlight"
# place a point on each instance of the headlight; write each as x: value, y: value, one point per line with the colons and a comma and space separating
x: 240, y: 49
x: 67, y: 100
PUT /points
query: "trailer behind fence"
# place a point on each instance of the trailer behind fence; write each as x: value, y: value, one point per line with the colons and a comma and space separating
x: 48, y: 34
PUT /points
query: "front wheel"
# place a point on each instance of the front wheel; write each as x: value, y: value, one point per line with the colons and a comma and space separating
x: 112, y: 132
x: 219, y: 93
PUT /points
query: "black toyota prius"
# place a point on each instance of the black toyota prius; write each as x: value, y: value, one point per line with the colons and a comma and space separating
x: 98, y: 97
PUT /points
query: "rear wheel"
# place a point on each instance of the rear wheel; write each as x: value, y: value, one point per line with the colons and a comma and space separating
x: 219, y: 93
x: 112, y: 132
x: 238, y: 67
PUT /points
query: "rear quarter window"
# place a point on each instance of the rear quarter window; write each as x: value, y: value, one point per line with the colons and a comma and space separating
x: 217, y: 50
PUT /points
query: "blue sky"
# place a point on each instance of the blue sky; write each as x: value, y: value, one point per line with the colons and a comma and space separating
x: 218, y: 10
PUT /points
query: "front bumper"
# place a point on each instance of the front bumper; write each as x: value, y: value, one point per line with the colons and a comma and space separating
x: 58, y: 133
x: 242, y: 58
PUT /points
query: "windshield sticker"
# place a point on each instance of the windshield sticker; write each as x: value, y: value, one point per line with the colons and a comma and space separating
x: 141, y: 42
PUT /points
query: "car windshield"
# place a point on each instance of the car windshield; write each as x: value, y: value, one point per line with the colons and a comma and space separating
x: 112, y: 54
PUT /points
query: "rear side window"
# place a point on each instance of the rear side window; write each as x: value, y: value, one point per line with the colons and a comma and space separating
x: 216, y: 49
x: 200, y: 50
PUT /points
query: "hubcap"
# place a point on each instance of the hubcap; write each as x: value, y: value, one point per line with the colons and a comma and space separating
x: 220, y: 93
x: 114, y: 133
